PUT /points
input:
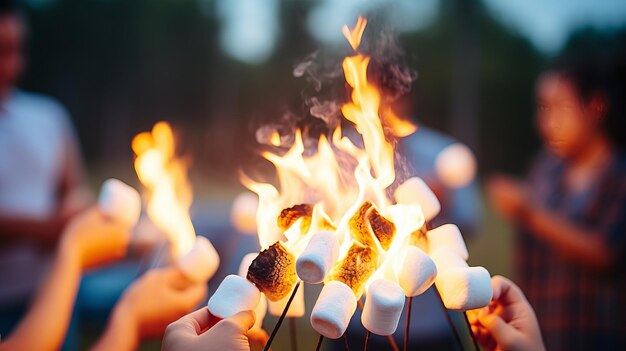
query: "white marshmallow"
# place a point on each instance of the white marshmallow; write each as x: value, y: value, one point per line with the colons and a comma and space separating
x: 463, y: 289
x: 333, y: 310
x: 120, y: 201
x: 456, y: 165
x: 417, y: 271
x: 383, y: 307
x: 318, y: 257
x: 201, y: 262
x: 447, y: 235
x: 296, y: 309
x: 414, y: 191
x: 243, y: 212
x: 446, y: 258
x: 235, y: 294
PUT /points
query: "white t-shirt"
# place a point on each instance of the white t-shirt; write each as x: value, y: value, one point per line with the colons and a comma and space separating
x: 35, y: 132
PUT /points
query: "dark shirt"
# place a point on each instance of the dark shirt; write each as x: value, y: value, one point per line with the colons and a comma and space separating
x: 578, y: 307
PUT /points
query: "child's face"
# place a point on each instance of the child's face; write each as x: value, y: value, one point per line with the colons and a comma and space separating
x: 562, y: 118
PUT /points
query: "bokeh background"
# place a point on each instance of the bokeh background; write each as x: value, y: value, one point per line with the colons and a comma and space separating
x: 218, y: 69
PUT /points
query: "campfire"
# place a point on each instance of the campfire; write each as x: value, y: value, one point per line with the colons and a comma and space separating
x: 333, y: 222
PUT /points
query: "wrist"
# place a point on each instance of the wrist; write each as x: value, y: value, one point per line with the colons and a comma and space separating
x: 68, y: 251
x: 123, y: 324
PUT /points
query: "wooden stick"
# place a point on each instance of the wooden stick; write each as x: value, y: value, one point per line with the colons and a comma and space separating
x: 469, y: 326
x: 367, y: 339
x: 392, y: 342
x: 292, y: 334
x: 282, y: 317
x: 345, y: 342
x: 450, y: 322
x: 408, y: 323
x: 319, y: 342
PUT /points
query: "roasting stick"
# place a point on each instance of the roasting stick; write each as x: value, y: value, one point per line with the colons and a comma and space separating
x: 345, y: 342
x: 469, y: 327
x: 292, y: 334
x: 367, y: 339
x: 450, y: 322
x: 282, y: 316
x: 408, y: 322
x: 319, y: 342
x: 392, y: 342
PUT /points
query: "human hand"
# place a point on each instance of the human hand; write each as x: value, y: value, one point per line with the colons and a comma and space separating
x: 508, y: 196
x: 95, y: 239
x: 201, y: 331
x: 509, y: 322
x: 159, y: 297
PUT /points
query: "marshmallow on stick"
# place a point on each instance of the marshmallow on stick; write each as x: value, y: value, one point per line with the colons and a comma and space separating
x: 447, y: 235
x: 261, y: 308
x: 446, y: 258
x: 383, y: 307
x: 201, y: 262
x: 235, y: 294
x: 456, y: 165
x: 414, y: 191
x: 318, y: 257
x: 465, y: 288
x: 417, y: 271
x: 120, y: 201
x: 333, y: 310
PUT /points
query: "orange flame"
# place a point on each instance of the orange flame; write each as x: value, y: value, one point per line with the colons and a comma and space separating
x: 341, y: 176
x: 164, y: 177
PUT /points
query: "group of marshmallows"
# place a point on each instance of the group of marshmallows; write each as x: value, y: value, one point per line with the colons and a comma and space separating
x: 121, y: 202
x: 461, y: 287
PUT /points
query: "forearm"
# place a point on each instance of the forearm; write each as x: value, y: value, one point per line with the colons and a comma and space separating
x: 120, y: 334
x: 568, y: 239
x: 26, y: 228
x: 55, y: 298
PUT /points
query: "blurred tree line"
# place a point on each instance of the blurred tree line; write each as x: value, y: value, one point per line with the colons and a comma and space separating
x: 119, y: 66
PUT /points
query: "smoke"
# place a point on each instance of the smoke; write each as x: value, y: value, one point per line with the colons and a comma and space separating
x: 388, y: 68
x: 326, y: 92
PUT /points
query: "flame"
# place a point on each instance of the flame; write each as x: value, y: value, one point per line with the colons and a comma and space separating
x: 339, y: 176
x: 164, y: 177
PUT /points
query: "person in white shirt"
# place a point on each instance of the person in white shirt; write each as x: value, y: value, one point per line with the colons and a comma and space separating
x: 41, y: 175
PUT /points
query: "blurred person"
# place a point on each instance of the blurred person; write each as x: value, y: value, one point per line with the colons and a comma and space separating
x: 90, y: 240
x: 571, y: 211
x: 41, y: 174
x: 145, y: 309
x: 509, y: 322
x: 202, y: 331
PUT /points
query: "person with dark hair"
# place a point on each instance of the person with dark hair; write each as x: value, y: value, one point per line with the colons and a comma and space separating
x: 41, y: 175
x: 571, y: 212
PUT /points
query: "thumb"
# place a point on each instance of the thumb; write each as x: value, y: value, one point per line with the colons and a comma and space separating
x: 244, y: 319
x: 239, y: 323
x: 501, y: 332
